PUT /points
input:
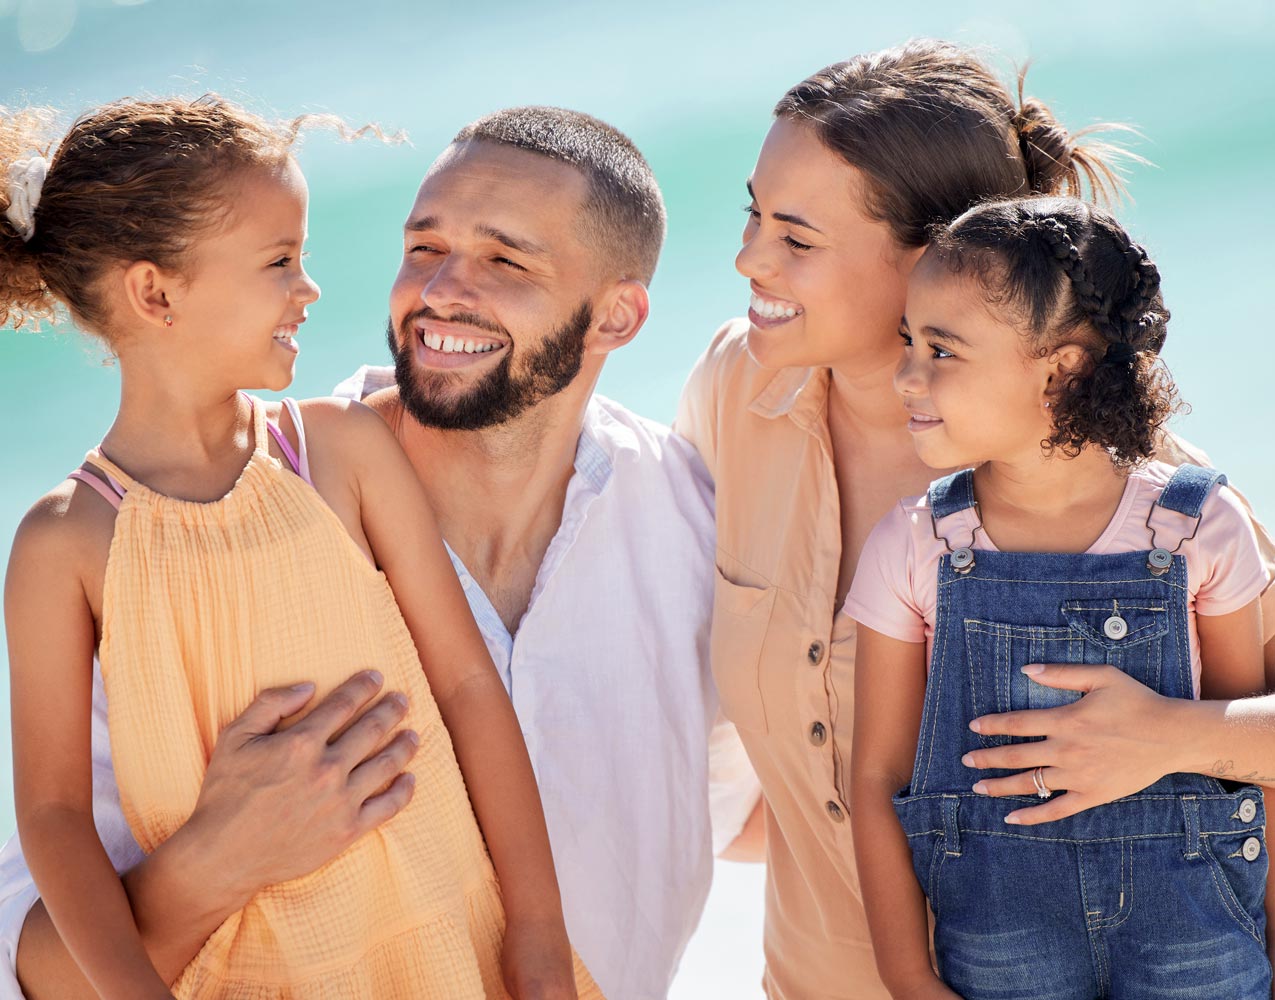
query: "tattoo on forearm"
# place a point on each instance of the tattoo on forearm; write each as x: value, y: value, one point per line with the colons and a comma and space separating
x: 1226, y: 769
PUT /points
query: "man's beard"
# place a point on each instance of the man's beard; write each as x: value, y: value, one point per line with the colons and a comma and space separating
x: 500, y: 395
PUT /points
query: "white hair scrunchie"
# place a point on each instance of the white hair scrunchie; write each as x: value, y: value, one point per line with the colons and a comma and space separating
x: 26, y: 181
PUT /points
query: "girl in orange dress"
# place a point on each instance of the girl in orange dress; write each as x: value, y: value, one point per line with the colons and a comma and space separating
x: 200, y: 558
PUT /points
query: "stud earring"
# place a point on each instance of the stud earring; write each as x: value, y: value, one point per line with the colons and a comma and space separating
x: 168, y: 320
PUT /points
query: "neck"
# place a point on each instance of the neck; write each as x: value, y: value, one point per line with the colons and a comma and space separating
x: 863, y: 397
x: 498, y: 492
x: 174, y: 423
x: 1049, y: 488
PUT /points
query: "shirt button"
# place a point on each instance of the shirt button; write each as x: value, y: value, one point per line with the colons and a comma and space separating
x: 815, y: 653
x: 1251, y: 850
x: 1248, y: 810
x: 1115, y: 627
x: 838, y: 816
x: 819, y: 736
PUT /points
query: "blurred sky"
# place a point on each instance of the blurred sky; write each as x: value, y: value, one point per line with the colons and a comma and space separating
x: 693, y: 84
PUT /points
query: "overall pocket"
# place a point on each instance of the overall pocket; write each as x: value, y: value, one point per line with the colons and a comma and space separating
x: 741, y: 618
x: 1127, y: 635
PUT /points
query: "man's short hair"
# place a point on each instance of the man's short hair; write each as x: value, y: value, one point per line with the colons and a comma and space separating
x: 624, y: 210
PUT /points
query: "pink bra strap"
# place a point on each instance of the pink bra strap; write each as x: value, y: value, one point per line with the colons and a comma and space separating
x: 112, y: 493
x: 303, y: 458
x: 299, y: 463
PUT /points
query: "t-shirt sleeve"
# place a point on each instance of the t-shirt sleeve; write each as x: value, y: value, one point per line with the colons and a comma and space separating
x: 882, y: 596
x: 1233, y: 572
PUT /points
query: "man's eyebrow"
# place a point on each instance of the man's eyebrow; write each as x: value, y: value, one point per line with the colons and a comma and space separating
x: 788, y: 217
x: 519, y: 244
x: 421, y: 223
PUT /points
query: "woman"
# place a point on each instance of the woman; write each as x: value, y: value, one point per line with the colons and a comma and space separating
x: 794, y: 412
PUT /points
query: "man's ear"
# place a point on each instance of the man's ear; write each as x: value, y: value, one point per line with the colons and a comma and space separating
x: 618, y: 316
x: 152, y: 293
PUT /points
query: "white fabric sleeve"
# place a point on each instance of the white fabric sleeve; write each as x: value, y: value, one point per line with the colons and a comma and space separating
x: 733, y: 787
x: 367, y: 380
x: 18, y: 892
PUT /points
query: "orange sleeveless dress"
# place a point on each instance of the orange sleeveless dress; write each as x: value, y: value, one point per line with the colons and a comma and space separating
x: 206, y: 604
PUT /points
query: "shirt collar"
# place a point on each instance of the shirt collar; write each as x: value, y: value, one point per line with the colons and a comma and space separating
x: 595, y: 451
x: 801, y: 394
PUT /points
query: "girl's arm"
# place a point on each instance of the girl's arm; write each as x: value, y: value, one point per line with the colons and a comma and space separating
x: 51, y: 637
x: 889, y: 693
x: 401, y: 530
x: 273, y: 806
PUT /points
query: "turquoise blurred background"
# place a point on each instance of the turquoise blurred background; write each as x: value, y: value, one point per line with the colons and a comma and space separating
x: 693, y: 85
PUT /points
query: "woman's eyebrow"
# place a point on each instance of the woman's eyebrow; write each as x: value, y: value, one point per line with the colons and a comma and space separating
x: 794, y: 220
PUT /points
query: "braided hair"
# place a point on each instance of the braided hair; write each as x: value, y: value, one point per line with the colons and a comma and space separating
x: 1070, y: 273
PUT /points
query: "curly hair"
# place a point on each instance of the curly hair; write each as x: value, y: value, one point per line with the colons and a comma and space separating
x: 1068, y: 272
x: 933, y: 131
x: 132, y: 180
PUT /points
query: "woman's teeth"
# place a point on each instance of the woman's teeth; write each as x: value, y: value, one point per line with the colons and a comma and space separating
x: 774, y: 309
x: 456, y: 345
x: 286, y: 333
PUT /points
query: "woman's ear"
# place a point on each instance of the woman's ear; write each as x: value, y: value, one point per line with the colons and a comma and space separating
x: 618, y: 316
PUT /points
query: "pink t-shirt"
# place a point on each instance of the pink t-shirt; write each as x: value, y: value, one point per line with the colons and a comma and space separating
x: 895, y: 588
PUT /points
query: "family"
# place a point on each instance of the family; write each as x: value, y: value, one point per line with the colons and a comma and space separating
x: 453, y: 684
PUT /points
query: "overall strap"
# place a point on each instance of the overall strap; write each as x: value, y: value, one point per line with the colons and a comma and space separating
x: 952, y: 494
x: 108, y: 489
x: 1188, y: 488
x: 1185, y: 493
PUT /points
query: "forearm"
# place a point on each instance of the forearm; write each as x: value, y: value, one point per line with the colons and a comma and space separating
x: 502, y: 787
x: 1234, y: 740
x: 895, y: 904
x: 178, y: 898
x: 85, y: 901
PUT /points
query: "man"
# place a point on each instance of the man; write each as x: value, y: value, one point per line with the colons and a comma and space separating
x: 583, y: 537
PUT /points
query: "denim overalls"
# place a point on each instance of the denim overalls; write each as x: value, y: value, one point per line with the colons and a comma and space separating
x: 1157, y: 895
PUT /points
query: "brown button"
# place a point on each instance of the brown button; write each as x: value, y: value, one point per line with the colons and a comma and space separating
x: 815, y: 653
x: 835, y: 812
x: 818, y: 735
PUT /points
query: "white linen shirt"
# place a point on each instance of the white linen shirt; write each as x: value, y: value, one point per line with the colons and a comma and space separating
x: 609, y: 675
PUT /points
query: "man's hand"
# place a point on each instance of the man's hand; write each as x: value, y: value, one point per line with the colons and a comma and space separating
x: 279, y: 804
x: 1114, y: 741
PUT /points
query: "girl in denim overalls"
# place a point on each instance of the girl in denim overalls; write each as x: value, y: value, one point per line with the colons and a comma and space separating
x: 1032, y: 336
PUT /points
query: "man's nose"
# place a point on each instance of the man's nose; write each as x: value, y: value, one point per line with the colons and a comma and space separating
x: 450, y: 288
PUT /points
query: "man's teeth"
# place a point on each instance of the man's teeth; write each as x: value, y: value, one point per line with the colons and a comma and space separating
x: 775, y: 310
x: 455, y: 345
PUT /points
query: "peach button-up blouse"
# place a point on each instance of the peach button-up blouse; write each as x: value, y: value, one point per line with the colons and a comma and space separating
x: 783, y: 654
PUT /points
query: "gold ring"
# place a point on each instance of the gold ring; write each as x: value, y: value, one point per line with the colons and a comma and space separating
x: 1043, y: 791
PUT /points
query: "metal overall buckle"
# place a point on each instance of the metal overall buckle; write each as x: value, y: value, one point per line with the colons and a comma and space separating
x: 1160, y: 559
x: 962, y: 558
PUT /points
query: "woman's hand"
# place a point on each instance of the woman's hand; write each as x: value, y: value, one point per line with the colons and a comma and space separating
x: 279, y: 804
x: 536, y: 960
x: 1115, y: 741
